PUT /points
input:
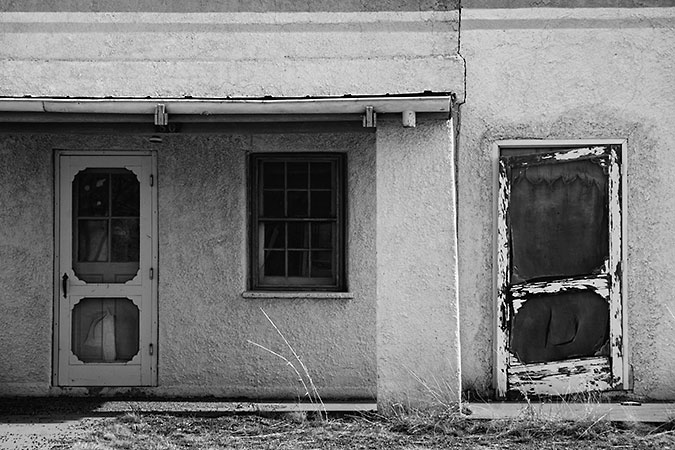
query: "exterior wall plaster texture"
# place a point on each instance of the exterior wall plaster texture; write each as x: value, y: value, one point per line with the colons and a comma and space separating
x: 573, y: 74
x: 243, y: 48
x: 204, y: 323
x: 417, y: 308
x: 26, y: 265
x: 221, y: 49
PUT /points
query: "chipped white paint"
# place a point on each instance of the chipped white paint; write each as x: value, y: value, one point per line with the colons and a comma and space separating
x: 562, y: 377
x: 616, y: 319
x: 576, y: 154
x: 503, y: 279
x: 598, y: 285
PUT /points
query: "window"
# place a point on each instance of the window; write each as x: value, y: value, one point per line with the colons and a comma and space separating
x: 297, y: 217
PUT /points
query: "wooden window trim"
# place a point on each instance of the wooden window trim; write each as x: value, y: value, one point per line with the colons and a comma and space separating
x: 258, y: 283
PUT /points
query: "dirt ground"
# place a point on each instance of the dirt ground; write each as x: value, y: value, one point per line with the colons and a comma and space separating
x: 296, y: 431
x: 86, y: 424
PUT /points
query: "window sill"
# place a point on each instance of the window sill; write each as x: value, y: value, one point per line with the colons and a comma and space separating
x: 298, y: 295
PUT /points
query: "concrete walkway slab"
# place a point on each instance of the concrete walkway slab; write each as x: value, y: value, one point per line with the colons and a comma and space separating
x: 40, y: 432
x: 54, y: 423
x: 615, y: 412
x: 101, y: 407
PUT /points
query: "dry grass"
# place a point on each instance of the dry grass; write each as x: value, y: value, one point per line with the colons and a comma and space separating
x: 410, y: 431
x: 311, y: 392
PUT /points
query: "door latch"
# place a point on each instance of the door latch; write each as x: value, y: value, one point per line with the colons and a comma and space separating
x: 64, y: 284
x: 151, y: 349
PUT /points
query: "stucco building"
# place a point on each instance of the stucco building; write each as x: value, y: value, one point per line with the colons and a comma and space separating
x: 418, y: 195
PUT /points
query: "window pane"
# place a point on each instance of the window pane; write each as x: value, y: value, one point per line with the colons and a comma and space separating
x: 105, y: 330
x: 273, y: 204
x: 321, y: 176
x: 92, y: 193
x: 297, y: 175
x: 561, y: 326
x: 322, y: 235
x: 274, y: 234
x: 286, y: 236
x: 298, y: 235
x: 273, y: 175
x: 298, y: 263
x: 125, y: 195
x: 322, y: 204
x: 297, y: 203
x: 125, y: 240
x: 322, y: 264
x: 558, y: 215
x: 275, y: 264
x: 92, y: 240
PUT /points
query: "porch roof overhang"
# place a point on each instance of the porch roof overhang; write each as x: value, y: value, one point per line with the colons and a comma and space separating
x: 274, y: 109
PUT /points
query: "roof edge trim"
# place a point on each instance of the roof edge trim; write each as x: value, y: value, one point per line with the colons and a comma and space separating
x: 426, y: 102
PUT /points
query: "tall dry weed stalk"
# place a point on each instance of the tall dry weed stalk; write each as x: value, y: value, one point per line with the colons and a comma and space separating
x: 311, y: 392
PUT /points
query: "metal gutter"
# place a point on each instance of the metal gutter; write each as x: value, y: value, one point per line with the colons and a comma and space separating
x: 326, y: 105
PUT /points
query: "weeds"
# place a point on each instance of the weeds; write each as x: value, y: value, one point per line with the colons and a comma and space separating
x: 412, y: 430
x: 441, y: 393
x: 311, y: 392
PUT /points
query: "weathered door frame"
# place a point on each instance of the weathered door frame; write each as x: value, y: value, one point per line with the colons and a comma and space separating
x: 619, y: 362
x: 150, y: 380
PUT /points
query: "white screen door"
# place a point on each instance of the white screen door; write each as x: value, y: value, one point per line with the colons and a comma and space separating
x: 560, y: 314
x: 106, y: 263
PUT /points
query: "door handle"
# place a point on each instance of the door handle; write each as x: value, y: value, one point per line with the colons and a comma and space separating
x: 64, y: 284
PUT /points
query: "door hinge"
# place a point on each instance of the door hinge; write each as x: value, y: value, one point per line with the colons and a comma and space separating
x: 152, y: 180
x: 152, y: 273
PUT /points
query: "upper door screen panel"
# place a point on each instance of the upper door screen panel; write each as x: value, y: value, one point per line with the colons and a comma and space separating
x: 106, y: 221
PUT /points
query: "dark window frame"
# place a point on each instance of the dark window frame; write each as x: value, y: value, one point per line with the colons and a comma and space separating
x: 258, y: 281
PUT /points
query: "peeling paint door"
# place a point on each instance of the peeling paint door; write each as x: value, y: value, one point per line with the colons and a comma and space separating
x: 105, y: 271
x: 559, y: 271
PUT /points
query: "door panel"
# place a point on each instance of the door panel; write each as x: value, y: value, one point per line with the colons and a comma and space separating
x: 107, y: 251
x: 559, y: 282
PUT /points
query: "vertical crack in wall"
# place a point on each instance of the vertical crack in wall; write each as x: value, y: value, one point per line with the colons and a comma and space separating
x: 455, y: 119
x: 459, y: 49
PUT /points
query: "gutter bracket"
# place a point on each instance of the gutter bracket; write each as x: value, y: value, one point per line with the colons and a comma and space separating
x: 161, y: 116
x: 408, y: 118
x: 370, y: 118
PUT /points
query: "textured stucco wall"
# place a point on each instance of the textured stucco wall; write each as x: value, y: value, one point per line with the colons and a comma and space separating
x: 204, y: 323
x: 220, y: 49
x: 417, y: 310
x: 573, y: 74
x: 26, y: 264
